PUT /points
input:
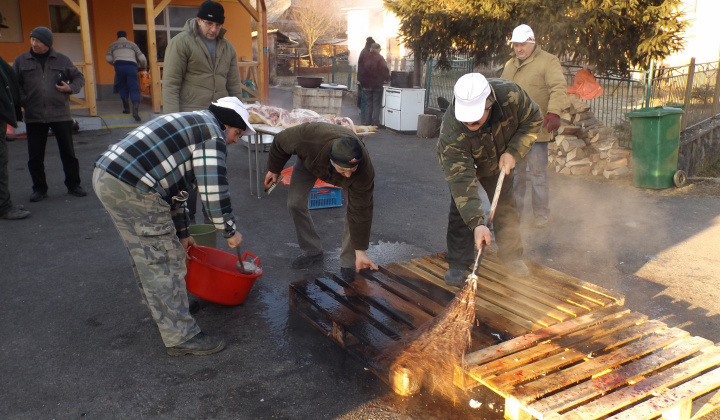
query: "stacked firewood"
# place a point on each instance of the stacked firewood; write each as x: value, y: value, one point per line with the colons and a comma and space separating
x: 584, y: 146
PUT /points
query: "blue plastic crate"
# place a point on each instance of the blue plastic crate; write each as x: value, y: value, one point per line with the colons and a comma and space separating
x: 324, y: 197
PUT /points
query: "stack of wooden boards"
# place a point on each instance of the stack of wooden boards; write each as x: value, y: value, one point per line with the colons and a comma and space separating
x: 552, y: 345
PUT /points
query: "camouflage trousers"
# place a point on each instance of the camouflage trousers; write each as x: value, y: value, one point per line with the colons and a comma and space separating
x: 158, y: 258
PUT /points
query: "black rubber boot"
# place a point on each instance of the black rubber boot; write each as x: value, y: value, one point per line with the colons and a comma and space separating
x: 126, y: 105
x: 135, y: 111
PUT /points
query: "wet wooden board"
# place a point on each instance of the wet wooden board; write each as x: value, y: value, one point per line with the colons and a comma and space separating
x: 554, y: 346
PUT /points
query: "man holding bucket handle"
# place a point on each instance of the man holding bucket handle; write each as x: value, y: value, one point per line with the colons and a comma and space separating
x: 142, y: 181
x: 490, y: 125
x: 335, y: 155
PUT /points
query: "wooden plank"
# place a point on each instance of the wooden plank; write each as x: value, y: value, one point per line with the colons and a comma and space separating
x: 632, y: 372
x: 569, y: 302
x: 574, y: 374
x: 527, y: 340
x: 625, y: 396
x: 586, y: 350
x: 340, y: 313
x: 552, y: 307
x: 671, y: 398
x: 495, y: 316
x: 417, y: 282
x: 407, y: 293
x: 705, y: 404
x: 391, y: 324
x: 554, y: 346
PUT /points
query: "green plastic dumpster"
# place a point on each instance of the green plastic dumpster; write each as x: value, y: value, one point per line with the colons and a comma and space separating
x: 655, y: 142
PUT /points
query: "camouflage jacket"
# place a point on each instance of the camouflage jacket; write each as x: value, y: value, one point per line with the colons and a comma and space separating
x: 467, y: 156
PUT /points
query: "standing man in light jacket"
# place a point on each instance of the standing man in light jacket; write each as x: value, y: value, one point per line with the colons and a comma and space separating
x: 200, y: 67
x: 47, y: 79
x: 127, y: 59
x: 540, y: 74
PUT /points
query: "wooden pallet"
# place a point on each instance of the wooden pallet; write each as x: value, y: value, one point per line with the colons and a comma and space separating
x: 552, y: 345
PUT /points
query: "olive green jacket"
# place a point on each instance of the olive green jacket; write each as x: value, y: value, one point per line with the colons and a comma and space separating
x: 467, y: 156
x: 190, y: 80
x: 311, y: 143
x: 541, y: 76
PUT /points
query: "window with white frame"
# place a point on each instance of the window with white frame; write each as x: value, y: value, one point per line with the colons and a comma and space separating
x: 168, y: 23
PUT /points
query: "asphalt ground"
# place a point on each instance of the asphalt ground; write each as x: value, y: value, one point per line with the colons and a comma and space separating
x: 77, y: 342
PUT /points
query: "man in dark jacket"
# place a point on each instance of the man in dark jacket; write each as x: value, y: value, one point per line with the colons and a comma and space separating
x: 361, y: 98
x: 333, y: 154
x: 10, y: 113
x: 490, y: 125
x: 47, y: 78
x: 374, y: 73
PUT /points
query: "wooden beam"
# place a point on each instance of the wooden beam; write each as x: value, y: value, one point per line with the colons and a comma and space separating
x: 262, y: 42
x: 73, y: 6
x: 252, y: 10
x: 159, y: 8
x: 155, y: 87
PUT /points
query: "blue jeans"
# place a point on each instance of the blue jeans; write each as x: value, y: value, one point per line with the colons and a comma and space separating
x: 537, y: 161
x: 373, y: 106
x: 127, y: 82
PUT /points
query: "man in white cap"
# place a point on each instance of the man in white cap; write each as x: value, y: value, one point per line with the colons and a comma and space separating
x: 540, y: 74
x: 143, y: 181
x: 490, y: 125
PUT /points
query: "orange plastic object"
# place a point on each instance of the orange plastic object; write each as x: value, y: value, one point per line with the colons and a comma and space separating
x: 212, y: 275
x: 585, y: 85
x: 287, y: 173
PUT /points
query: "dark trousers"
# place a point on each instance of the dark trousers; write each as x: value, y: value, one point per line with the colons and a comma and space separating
x: 37, y: 134
x: 373, y: 105
x: 461, y: 240
x: 127, y: 81
x: 5, y: 202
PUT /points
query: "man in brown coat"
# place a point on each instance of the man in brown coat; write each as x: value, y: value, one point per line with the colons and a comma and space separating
x: 539, y: 73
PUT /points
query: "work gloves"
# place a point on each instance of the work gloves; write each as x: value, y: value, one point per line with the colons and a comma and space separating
x: 551, y: 122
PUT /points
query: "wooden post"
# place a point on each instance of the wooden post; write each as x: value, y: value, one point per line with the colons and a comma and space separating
x: 716, y: 96
x: 688, y: 92
x: 81, y: 10
x: 151, y: 12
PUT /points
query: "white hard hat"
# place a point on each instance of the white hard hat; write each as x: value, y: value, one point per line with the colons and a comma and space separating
x: 523, y: 33
x: 471, y: 91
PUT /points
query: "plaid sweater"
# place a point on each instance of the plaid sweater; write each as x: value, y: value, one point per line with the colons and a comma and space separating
x: 168, y: 155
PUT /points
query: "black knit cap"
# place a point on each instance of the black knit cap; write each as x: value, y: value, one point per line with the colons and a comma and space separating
x: 212, y: 11
x: 43, y: 35
x: 228, y: 117
x: 346, y: 152
x: 121, y: 34
x: 369, y: 41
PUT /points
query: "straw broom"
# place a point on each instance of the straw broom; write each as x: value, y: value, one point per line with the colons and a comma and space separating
x: 431, y: 352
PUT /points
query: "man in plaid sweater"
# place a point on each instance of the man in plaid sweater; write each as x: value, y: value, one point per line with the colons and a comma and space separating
x: 143, y: 181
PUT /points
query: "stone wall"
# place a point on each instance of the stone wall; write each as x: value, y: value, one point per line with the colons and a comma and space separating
x: 699, y: 146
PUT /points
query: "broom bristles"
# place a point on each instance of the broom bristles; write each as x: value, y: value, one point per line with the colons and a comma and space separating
x: 432, y: 351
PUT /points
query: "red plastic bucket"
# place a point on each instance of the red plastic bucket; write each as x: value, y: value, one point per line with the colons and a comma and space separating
x: 212, y: 275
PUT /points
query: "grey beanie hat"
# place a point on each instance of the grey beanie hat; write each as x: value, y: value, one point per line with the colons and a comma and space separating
x: 43, y: 35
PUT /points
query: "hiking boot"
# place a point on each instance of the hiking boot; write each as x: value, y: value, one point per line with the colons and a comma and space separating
x: 77, y: 191
x: 37, y: 196
x: 516, y: 268
x: 15, y: 213
x: 307, y: 261
x: 540, y: 222
x: 200, y: 345
x: 455, y: 277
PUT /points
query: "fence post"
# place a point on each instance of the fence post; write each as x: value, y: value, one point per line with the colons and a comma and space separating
x: 332, y: 78
x: 349, y: 81
x: 650, y: 75
x: 428, y: 79
x: 688, y: 91
x: 716, y: 96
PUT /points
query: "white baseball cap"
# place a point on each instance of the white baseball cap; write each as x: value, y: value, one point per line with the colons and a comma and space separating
x: 471, y: 92
x: 523, y: 33
x: 232, y: 103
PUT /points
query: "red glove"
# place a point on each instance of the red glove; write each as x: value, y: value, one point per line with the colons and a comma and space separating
x: 552, y: 122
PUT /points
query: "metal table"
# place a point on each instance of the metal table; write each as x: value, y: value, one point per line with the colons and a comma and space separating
x: 264, y: 135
